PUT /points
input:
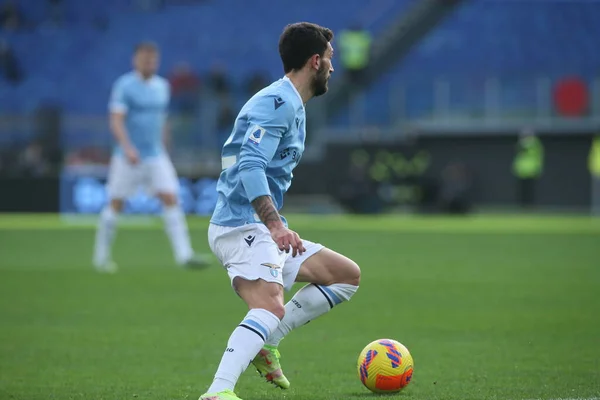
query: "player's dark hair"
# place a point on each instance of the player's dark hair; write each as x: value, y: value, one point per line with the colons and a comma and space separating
x: 300, y: 41
x: 146, y: 46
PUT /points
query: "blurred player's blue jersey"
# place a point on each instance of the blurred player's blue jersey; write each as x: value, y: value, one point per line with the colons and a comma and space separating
x: 258, y: 158
x: 145, y: 104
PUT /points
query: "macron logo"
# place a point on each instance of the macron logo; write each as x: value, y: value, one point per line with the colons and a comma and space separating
x: 249, y: 240
x: 278, y: 101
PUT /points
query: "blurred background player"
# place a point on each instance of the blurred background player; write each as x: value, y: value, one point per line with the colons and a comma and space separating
x: 247, y: 233
x: 138, y: 109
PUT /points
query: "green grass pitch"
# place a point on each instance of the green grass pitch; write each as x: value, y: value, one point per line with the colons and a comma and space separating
x: 490, y: 308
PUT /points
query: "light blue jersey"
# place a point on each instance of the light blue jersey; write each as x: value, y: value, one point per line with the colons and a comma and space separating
x: 258, y: 158
x: 145, y: 104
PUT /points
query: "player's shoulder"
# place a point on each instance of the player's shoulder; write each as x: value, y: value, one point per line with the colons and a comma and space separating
x: 126, y: 79
x: 161, y: 81
x: 277, y: 97
x: 284, y: 90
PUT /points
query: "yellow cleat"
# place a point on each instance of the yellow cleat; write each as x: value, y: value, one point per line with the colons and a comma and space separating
x: 224, y: 395
x: 267, y: 365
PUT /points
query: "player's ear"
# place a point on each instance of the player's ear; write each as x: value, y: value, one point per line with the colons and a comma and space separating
x: 315, y: 61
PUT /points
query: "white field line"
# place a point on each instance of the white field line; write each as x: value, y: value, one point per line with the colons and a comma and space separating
x: 570, y: 398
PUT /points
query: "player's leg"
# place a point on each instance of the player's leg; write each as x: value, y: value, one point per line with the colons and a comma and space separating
x: 122, y: 181
x: 334, y: 278
x: 165, y: 184
x: 177, y: 230
x: 265, y: 304
x: 105, y: 234
x: 256, y: 278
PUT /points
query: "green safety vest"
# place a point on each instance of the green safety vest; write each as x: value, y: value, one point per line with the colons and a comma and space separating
x: 354, y: 47
x: 530, y: 158
x: 594, y: 159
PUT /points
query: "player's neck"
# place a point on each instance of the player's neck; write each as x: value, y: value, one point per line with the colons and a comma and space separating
x: 144, y: 77
x: 302, y: 85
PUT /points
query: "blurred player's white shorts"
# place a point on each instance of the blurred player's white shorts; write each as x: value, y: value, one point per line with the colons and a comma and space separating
x: 249, y: 252
x: 154, y: 174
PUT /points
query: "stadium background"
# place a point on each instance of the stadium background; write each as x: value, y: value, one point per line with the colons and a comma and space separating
x: 436, y: 112
x: 500, y: 304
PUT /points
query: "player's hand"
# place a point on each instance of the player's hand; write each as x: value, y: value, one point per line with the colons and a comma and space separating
x: 132, y: 155
x: 286, y: 239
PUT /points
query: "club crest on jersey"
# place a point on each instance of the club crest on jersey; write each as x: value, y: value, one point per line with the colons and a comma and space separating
x: 257, y: 134
x: 273, y: 269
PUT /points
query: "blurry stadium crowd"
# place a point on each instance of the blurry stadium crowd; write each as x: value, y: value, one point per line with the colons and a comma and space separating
x: 544, y: 64
x: 213, y: 91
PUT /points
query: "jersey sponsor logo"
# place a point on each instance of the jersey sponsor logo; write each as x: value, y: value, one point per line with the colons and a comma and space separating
x: 273, y: 269
x: 229, y: 350
x: 287, y: 152
x: 278, y: 101
x: 257, y: 134
x: 249, y: 240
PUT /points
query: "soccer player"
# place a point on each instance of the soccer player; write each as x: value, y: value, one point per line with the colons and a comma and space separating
x: 138, y: 108
x: 249, y: 236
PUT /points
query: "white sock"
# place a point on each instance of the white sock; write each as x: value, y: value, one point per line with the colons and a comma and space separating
x: 308, y: 303
x: 177, y: 231
x: 105, y: 234
x: 244, y: 344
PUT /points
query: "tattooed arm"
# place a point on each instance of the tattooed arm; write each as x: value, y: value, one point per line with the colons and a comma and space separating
x: 282, y: 236
x: 266, y: 211
x: 257, y: 189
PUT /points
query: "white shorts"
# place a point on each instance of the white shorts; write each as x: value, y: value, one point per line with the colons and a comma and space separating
x: 248, y: 251
x: 154, y: 175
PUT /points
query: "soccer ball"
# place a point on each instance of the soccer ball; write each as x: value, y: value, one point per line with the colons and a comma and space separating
x: 385, y: 366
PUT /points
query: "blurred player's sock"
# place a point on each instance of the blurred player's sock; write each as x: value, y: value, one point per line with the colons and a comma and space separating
x: 244, y: 343
x: 308, y: 303
x: 105, y: 235
x: 177, y: 230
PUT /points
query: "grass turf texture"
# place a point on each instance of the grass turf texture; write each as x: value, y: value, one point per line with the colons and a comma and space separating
x: 490, y: 308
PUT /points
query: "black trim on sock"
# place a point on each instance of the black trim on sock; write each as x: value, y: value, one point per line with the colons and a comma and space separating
x: 254, y: 330
x: 324, y: 294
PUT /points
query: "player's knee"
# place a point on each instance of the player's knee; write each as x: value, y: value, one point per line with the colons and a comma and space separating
x: 271, y: 300
x: 277, y: 309
x: 273, y: 304
x: 168, y: 199
x: 350, y: 273
x: 117, y: 205
x: 355, y: 274
x: 259, y: 294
